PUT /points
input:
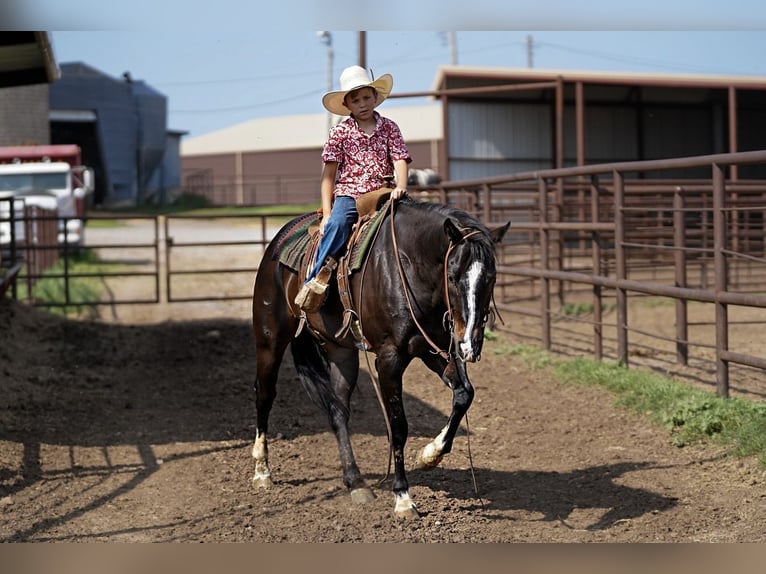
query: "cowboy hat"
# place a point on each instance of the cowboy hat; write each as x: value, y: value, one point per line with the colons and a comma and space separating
x: 353, y: 78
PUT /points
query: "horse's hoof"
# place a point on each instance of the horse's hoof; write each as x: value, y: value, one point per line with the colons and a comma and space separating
x: 410, y: 513
x: 262, y: 482
x: 404, y: 507
x: 362, y: 495
x: 428, y: 458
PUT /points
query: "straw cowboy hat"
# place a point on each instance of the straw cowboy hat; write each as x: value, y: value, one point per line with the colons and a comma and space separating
x: 353, y: 78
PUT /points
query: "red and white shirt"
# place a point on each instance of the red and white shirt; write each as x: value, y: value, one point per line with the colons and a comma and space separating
x: 363, y: 160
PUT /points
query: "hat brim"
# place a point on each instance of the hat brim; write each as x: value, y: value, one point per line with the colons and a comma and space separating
x: 333, y: 101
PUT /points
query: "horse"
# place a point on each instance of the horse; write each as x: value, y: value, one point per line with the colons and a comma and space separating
x: 424, y: 292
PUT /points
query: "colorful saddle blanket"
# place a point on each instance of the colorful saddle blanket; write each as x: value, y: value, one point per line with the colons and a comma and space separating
x: 295, y: 239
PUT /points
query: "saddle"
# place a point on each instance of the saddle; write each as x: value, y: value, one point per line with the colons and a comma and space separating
x: 297, y: 249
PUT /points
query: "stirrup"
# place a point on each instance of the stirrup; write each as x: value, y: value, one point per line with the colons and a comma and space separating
x: 360, y: 341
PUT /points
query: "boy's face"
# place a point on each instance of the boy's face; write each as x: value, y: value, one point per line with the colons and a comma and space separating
x: 361, y: 102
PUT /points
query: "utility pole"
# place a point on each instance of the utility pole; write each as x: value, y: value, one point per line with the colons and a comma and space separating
x: 326, y: 38
x: 530, y: 51
x: 452, y: 47
x: 363, y: 49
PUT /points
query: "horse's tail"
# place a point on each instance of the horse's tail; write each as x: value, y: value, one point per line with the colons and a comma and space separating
x: 314, y: 372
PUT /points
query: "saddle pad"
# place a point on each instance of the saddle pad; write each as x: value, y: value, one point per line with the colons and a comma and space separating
x: 366, y: 236
x: 293, y: 239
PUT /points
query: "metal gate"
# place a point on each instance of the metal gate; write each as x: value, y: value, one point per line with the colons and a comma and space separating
x: 150, y: 259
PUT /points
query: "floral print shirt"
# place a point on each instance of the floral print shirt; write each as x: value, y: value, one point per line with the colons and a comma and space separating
x: 363, y: 160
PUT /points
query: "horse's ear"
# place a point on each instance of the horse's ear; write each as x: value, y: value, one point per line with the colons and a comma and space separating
x: 452, y: 230
x: 498, y: 232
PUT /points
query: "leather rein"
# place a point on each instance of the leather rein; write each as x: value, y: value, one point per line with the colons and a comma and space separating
x: 448, y: 317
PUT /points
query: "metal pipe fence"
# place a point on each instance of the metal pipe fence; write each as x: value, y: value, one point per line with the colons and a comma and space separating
x: 606, y: 234
x: 598, y: 238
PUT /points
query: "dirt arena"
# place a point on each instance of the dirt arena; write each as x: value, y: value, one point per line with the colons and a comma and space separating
x: 128, y: 431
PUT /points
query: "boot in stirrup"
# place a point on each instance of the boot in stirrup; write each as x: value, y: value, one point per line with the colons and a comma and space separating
x: 313, y: 293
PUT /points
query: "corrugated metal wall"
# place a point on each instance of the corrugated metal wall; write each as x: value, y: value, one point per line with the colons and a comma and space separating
x: 489, y: 139
x: 497, y: 138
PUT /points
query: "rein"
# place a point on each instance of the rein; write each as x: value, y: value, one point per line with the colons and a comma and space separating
x: 446, y: 355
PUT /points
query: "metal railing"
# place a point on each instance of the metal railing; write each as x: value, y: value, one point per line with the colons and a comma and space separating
x: 600, y: 235
x: 592, y: 229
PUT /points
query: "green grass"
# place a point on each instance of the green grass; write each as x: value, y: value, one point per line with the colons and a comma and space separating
x: 689, y: 414
x: 51, y: 290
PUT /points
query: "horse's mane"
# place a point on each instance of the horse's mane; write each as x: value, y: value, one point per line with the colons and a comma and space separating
x: 482, y: 245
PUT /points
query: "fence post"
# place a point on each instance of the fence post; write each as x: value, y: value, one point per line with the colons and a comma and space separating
x: 487, y: 203
x: 679, y: 234
x: 545, y: 283
x: 621, y: 269
x: 598, y: 347
x: 721, y: 282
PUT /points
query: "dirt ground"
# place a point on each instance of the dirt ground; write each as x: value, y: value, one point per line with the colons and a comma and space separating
x: 120, y: 431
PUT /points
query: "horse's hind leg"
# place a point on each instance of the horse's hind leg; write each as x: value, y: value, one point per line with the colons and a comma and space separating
x: 456, y: 377
x: 331, y: 389
x: 344, y: 371
x: 273, y: 328
x: 268, y: 362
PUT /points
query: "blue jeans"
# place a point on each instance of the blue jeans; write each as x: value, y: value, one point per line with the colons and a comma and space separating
x: 336, y: 231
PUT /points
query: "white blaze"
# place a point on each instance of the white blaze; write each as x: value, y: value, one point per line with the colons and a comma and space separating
x: 473, y: 277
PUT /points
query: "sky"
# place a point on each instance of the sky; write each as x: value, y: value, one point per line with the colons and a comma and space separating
x: 225, y: 62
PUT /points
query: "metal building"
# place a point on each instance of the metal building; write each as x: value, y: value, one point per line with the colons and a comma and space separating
x: 505, y: 120
x: 490, y: 122
x: 279, y: 159
x: 120, y: 124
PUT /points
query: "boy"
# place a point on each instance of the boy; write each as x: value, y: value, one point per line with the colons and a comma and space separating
x: 360, y: 153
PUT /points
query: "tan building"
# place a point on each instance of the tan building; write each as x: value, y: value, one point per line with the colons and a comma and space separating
x: 490, y: 122
x: 278, y: 160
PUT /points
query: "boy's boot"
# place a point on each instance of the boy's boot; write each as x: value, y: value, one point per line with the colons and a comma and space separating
x: 313, y: 293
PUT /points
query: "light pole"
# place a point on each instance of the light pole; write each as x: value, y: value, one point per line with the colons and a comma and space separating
x: 326, y: 38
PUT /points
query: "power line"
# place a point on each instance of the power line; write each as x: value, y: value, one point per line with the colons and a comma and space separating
x: 247, y: 107
x: 623, y: 59
x: 235, y: 80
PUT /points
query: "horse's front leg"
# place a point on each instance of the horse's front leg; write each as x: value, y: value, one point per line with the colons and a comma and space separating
x: 390, y: 370
x: 456, y: 377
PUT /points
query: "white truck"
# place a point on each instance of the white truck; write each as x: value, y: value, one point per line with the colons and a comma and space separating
x: 50, y: 177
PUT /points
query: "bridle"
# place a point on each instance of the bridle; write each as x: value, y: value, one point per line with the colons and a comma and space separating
x: 448, y: 321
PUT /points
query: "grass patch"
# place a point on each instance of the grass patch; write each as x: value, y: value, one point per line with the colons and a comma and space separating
x: 51, y: 289
x: 691, y: 415
x: 654, y: 302
x: 577, y: 309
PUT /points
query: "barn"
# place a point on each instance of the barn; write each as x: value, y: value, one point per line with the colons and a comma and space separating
x: 277, y: 160
x: 119, y: 123
x: 484, y: 122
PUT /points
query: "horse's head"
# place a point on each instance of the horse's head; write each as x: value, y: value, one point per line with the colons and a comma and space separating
x: 469, y: 282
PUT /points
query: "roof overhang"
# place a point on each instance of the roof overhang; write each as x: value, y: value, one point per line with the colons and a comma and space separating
x: 73, y: 116
x: 451, y: 77
x: 26, y: 58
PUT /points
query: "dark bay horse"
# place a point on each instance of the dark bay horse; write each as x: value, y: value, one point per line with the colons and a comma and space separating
x: 425, y: 292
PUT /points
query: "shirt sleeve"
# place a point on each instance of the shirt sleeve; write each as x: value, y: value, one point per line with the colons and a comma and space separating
x: 333, y: 148
x: 396, y: 146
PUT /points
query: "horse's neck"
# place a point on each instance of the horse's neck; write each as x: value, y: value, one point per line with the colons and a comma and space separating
x: 422, y: 236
